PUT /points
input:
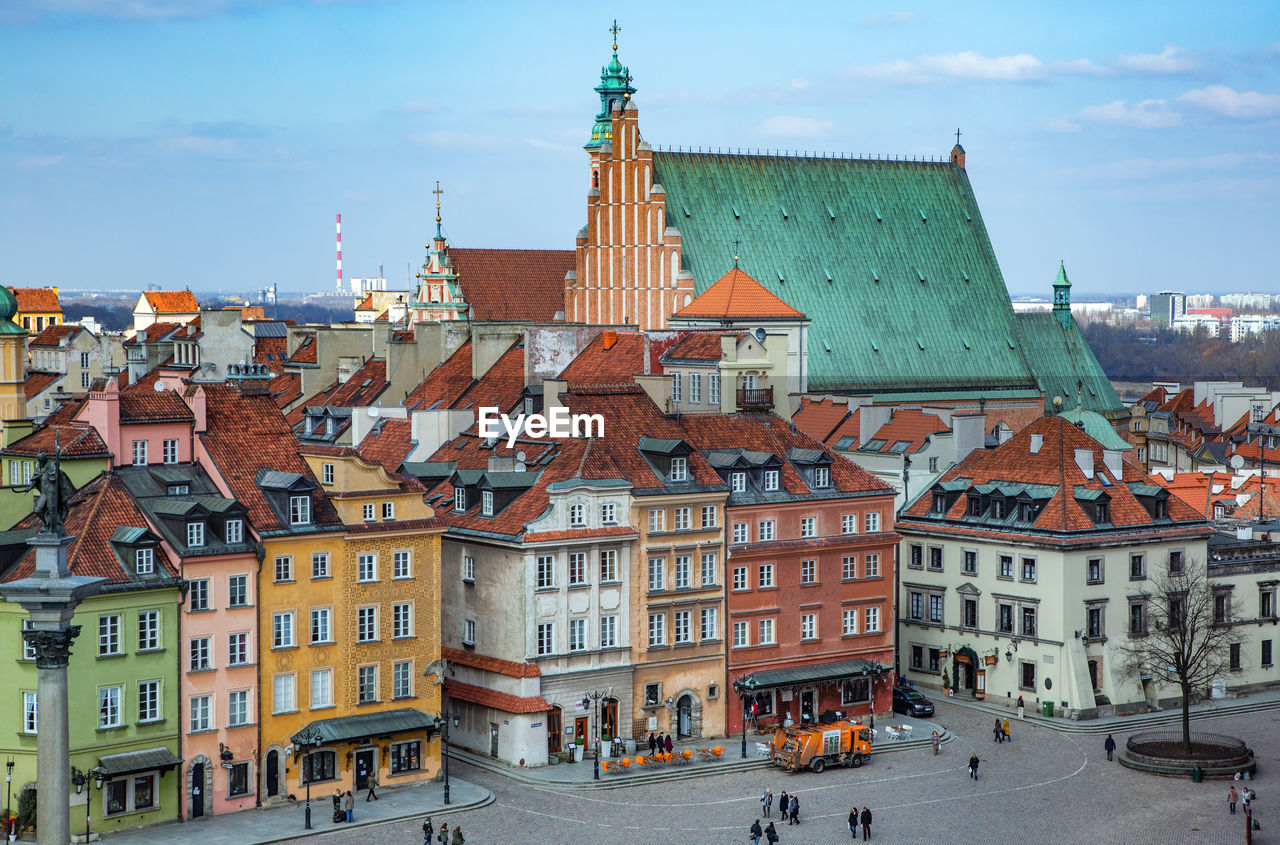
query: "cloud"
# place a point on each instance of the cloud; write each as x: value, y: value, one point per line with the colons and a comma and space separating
x: 204, y: 145
x: 789, y: 126
x: 891, y: 19
x: 41, y: 162
x: 969, y: 65
x: 1169, y: 61
x: 29, y: 10
x: 417, y: 107
x: 1221, y: 100
x: 1147, y: 114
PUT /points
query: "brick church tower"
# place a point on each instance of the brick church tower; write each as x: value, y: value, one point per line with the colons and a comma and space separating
x: 628, y: 257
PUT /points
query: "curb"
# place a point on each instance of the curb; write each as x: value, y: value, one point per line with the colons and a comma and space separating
x: 1122, y: 724
x: 484, y: 801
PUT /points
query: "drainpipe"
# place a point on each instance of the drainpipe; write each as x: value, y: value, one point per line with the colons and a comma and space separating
x: 260, y: 552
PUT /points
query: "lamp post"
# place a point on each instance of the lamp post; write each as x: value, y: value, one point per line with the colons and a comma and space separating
x: 81, y: 780
x: 587, y: 700
x: 743, y: 688
x: 8, y: 800
x: 308, y: 738
x: 441, y: 724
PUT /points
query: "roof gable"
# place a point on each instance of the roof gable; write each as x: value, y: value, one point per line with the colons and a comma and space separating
x: 172, y: 301
x: 737, y: 296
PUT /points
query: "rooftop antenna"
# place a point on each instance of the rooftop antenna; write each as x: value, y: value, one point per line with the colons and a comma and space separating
x: 339, y: 287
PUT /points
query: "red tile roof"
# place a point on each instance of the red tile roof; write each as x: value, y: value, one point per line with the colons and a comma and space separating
x: 142, y: 403
x: 388, y: 444
x: 153, y: 333
x: 513, y: 284
x: 699, y: 346
x: 367, y: 304
x: 450, y: 384
x: 285, y: 388
x: 737, y: 296
x: 36, y: 300
x: 55, y: 335
x: 503, y: 701
x: 913, y: 426
x: 490, y: 664
x: 270, y: 351
x: 579, y: 534
x: 617, y: 364
x: 306, y: 351
x: 172, y: 301
x: 37, y: 382
x: 363, y: 387
x: 444, y: 384
x: 827, y: 421
x: 74, y: 440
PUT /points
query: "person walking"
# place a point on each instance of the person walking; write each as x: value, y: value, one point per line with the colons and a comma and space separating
x: 866, y: 823
x: 372, y: 783
x: 853, y: 822
x: 457, y: 836
x: 1110, y: 746
x: 973, y: 765
x: 444, y: 834
x: 427, y: 830
x: 794, y: 817
x: 349, y: 804
x: 784, y: 805
x: 1020, y: 716
x: 756, y: 832
x: 997, y: 732
x: 766, y: 802
x: 771, y: 833
x: 1232, y: 797
x: 1005, y: 725
x: 670, y: 746
x: 937, y: 741
x: 653, y: 743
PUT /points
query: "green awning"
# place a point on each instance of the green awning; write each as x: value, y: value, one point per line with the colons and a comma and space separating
x: 138, y: 761
x: 813, y: 673
x: 386, y: 723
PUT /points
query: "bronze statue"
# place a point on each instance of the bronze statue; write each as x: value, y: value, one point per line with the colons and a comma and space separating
x: 56, y: 491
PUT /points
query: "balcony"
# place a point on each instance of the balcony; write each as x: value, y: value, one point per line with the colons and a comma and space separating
x: 755, y: 398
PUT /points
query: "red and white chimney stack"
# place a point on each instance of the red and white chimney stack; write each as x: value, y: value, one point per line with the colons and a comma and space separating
x: 339, y: 253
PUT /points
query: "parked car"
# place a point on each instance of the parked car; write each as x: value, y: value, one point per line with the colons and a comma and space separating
x: 911, y: 703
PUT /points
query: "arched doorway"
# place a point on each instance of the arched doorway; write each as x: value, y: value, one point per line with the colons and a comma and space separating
x: 684, y: 716
x: 197, y: 789
x: 555, y: 729
x: 271, y: 777
x: 965, y: 668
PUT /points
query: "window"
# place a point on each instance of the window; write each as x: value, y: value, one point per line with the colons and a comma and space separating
x: 849, y: 523
x: 468, y: 569
x: 406, y: 756
x: 401, y: 679
x: 148, y: 701
x: 935, y: 608
x: 657, y: 629
x: 1005, y: 622
x: 284, y: 568
x: 459, y: 498
x: 282, y: 694
x: 1028, y: 679
x: 546, y: 638
x: 940, y: 502
x: 915, y: 559
x: 873, y: 620
x: 109, y: 707
x: 850, y: 622
x: 148, y: 630
x: 740, y: 578
x: 238, y: 780
x: 577, y: 568
x: 771, y: 479
x: 609, y: 513
x: 1221, y: 607
x: 1267, y: 602
x: 402, y: 619
x: 679, y: 469
x: 546, y: 572
x: 608, y: 632
x: 1028, y: 621
x: 766, y: 530
x: 85, y: 379
x: 144, y: 561
x: 1137, y: 567
x: 855, y: 691
x: 321, y: 625
x: 737, y: 482
x: 709, y: 569
x: 109, y: 635
x: 935, y: 558
x: 683, y: 620
x: 873, y: 523
x: 326, y: 473
x: 234, y: 531
x: 740, y: 636
x: 656, y: 519
x: 682, y: 519
x: 366, y: 624
x: 713, y: 389
x: 367, y: 567
x: 849, y: 568
x: 237, y: 649
x: 709, y: 629
x: 402, y: 564
x: 970, y: 613
x: 1233, y: 656
x: 577, y: 515
x: 766, y: 632
x: 695, y: 388
x: 299, y: 510
x: 657, y: 574
x: 872, y: 566
x: 808, y: 572
x: 1176, y: 561
x: 933, y: 465
x: 30, y: 713
x: 320, y: 565
x: 1102, y: 512
x: 808, y: 526
x: 676, y: 392
x: 84, y: 359
x: 388, y: 510
x: 682, y: 572
x: 237, y: 708
x: 282, y: 630
x: 917, y: 657
x: 199, y: 652
x: 970, y: 562
x: 195, y: 535
x: 1093, y: 570
x: 171, y: 451
x: 320, y: 765
x: 321, y: 688
x: 486, y: 503
x: 1094, y: 618
x: 468, y: 632
x: 915, y: 609
x: 766, y: 575
x: 139, y: 452
x: 709, y: 519
x: 822, y: 476
x: 997, y: 508
x: 1266, y: 653
x: 652, y: 694
x: 608, y: 565
x: 741, y: 532
x: 1029, y: 569
x: 366, y: 684
x: 809, y: 626
x: 1006, y: 567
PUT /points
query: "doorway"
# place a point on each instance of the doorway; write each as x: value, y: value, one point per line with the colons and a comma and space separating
x: 1093, y: 675
x: 806, y: 706
x: 581, y: 729
x: 273, y: 773
x: 555, y: 727
x: 493, y: 740
x: 684, y: 716
x: 365, y: 766
x: 197, y: 790
x: 609, y: 718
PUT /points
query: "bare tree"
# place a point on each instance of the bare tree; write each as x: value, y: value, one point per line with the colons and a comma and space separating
x: 1188, y: 633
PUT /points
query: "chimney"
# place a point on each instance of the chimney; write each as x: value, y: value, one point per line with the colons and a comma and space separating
x: 1113, y: 460
x: 968, y: 434
x: 870, y: 419
x: 1037, y: 440
x: 429, y: 430
x: 1004, y: 433
x: 502, y: 463
x: 1084, y: 460
x: 610, y: 339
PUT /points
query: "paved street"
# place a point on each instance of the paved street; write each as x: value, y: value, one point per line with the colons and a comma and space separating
x: 1044, y: 786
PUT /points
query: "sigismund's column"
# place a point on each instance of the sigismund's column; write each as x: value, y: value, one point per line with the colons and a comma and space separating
x: 50, y: 597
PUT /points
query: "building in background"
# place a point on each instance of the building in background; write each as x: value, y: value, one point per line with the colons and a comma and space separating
x: 164, y: 306
x: 38, y: 308
x: 1167, y: 306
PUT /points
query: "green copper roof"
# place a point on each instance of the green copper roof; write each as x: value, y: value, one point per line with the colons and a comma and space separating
x: 1064, y: 365
x: 890, y: 259
x: 615, y: 86
x: 1096, y: 426
x: 8, y: 308
x: 1062, y: 280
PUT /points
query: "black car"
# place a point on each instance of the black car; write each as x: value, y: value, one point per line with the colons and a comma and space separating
x: 910, y: 702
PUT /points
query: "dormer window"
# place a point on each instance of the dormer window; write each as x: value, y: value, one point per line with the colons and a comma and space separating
x: 577, y: 516
x: 679, y: 469
x: 771, y: 479
x: 997, y: 508
x: 1161, y: 510
x: 975, y: 506
x: 738, y: 482
x: 195, y: 535
x: 609, y: 513
x: 822, y: 476
x: 178, y: 489
x: 299, y: 510
x: 144, y: 561
x: 486, y: 502
x: 326, y: 473
x: 940, y: 502
x: 1029, y: 511
x: 235, y: 531
x: 459, y: 498
x: 1102, y: 513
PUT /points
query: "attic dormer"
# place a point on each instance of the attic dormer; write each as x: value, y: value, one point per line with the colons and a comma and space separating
x: 289, y: 495
x: 814, y: 466
x: 668, y: 457
x: 138, y: 550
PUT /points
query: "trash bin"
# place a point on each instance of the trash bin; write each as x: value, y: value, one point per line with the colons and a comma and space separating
x: 1197, y: 774
x: 1048, y: 708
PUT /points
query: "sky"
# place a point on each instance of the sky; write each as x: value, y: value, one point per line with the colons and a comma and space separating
x: 209, y: 143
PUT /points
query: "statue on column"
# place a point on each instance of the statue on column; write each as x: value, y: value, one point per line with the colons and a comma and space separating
x: 56, y: 490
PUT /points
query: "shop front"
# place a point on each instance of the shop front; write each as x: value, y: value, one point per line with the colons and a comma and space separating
x: 811, y: 693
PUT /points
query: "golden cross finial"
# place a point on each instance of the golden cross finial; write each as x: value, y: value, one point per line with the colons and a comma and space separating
x: 615, y: 29
x: 438, y: 191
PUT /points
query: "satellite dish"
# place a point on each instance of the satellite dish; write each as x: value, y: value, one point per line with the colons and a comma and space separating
x: 1237, y: 461
x: 760, y: 334
x: 159, y: 388
x: 373, y: 411
x: 521, y: 456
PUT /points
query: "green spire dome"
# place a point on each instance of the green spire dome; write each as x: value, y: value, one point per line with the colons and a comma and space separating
x: 8, y: 308
x: 1062, y: 297
x: 615, y: 87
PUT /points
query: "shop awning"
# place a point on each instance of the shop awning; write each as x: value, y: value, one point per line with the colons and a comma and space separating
x: 385, y: 723
x: 812, y: 673
x: 138, y: 761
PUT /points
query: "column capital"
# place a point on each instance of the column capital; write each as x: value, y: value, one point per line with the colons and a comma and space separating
x: 53, y: 648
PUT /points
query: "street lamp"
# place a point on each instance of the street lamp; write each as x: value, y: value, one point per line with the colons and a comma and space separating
x: 587, y: 700
x: 8, y: 801
x: 743, y: 688
x: 308, y: 738
x: 81, y: 780
x: 441, y: 725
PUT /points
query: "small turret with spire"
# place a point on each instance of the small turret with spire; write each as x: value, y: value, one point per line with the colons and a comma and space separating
x: 614, y: 88
x: 1062, y: 297
x: 957, y: 152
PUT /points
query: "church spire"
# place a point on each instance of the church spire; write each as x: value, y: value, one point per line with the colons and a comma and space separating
x: 1062, y: 297
x: 614, y: 88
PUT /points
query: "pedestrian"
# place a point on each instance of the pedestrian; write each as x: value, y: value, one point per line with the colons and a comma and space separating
x: 771, y: 833
x: 427, y: 830
x: 756, y: 832
x: 1232, y: 797
x: 937, y: 741
x: 853, y: 822
x: 1020, y: 716
x: 997, y: 732
x: 866, y: 823
x: 444, y: 834
x: 670, y: 745
x: 766, y: 802
x: 372, y: 783
x: 1005, y: 725
x: 784, y: 805
x: 795, y: 810
x: 1247, y: 795
x: 457, y: 835
x: 653, y: 743
x: 349, y: 804
x: 973, y: 765
x: 1110, y: 745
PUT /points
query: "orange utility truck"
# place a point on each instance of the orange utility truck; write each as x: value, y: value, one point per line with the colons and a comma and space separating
x: 817, y: 746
